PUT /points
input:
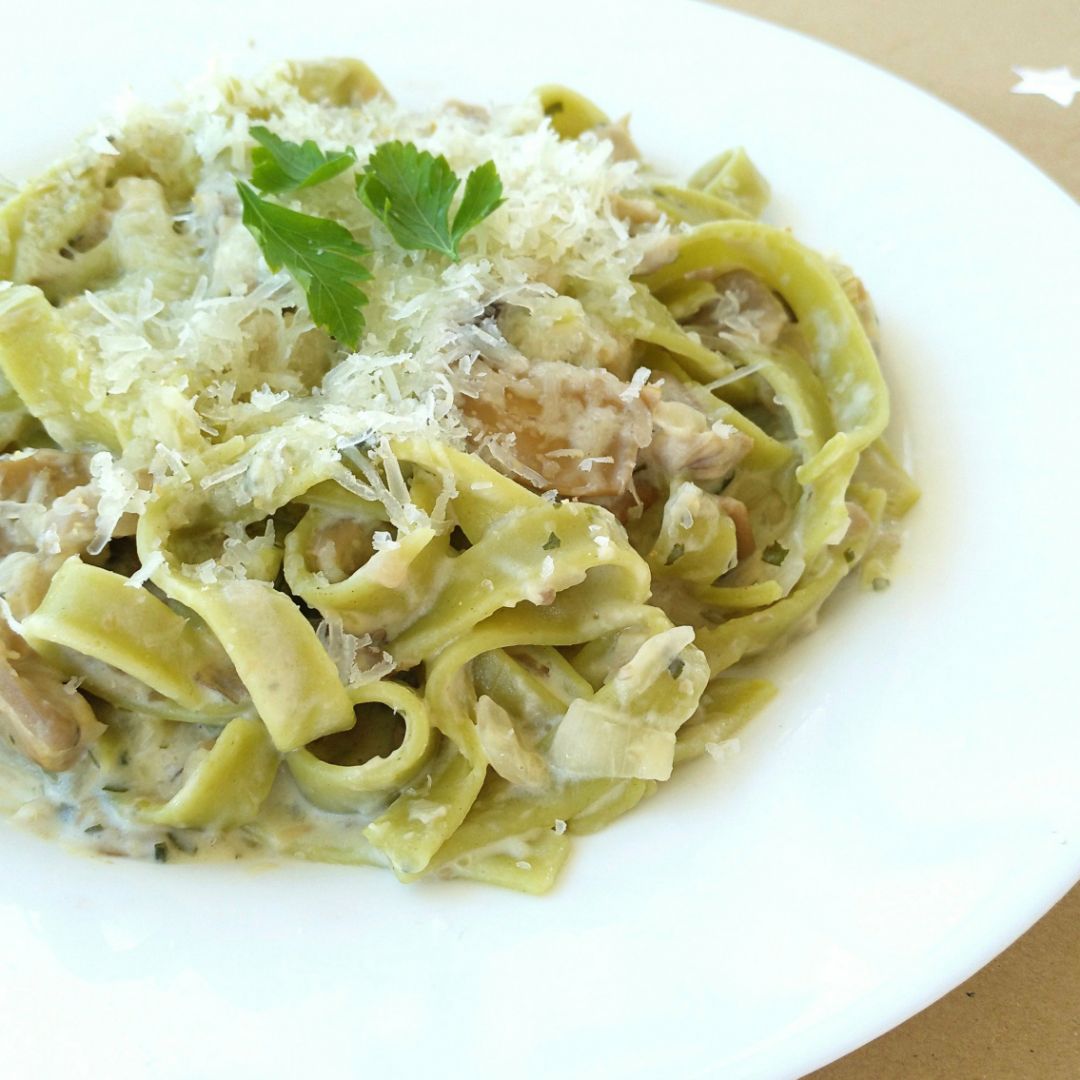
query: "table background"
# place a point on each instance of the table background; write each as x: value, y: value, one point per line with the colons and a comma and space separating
x: 1018, y: 1018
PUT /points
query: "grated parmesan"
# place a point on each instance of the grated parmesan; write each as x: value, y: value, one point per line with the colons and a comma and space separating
x: 236, y: 352
x: 154, y: 561
x: 119, y: 494
x: 721, y: 751
x: 637, y: 382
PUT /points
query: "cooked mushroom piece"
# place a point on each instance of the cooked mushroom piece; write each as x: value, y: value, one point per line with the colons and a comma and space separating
x: 340, y: 546
x: 684, y: 443
x: 54, y: 503
x: 48, y: 722
x: 41, y: 475
x: 744, y: 532
x: 575, y: 430
x: 745, y: 308
x: 617, y: 132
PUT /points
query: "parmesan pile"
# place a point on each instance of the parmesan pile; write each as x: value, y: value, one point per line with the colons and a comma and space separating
x: 237, y: 353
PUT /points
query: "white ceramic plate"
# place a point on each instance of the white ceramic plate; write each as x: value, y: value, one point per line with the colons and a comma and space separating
x: 906, y: 808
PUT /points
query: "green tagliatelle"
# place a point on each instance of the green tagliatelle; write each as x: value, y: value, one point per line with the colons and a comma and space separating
x: 442, y: 601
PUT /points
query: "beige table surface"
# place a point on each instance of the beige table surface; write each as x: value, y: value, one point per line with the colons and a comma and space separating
x: 1018, y: 1018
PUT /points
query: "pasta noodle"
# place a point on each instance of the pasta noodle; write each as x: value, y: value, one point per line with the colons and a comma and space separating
x: 443, y: 598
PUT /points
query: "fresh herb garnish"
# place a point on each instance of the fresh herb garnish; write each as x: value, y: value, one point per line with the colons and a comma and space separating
x: 410, y: 192
x: 280, y: 165
x: 774, y: 554
x: 91, y: 829
x: 880, y: 584
x: 114, y: 789
x: 675, y: 668
x: 320, y: 254
x: 552, y: 542
x: 408, y: 189
x: 161, y: 852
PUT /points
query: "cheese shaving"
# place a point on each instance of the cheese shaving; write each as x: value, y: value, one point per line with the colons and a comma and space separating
x: 234, y: 351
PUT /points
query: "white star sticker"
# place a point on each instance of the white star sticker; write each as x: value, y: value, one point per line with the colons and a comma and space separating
x: 1058, y: 84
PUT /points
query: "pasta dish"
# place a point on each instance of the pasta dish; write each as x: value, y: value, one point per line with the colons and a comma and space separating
x: 409, y: 489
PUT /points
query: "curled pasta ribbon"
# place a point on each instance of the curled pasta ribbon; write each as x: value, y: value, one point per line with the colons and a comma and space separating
x: 516, y: 561
x: 727, y: 705
x: 534, y: 684
x: 291, y: 679
x: 839, y: 350
x: 447, y: 794
x: 544, y: 694
x: 482, y: 495
x: 446, y: 790
x: 732, y: 176
x: 627, y: 729
x: 749, y: 634
x: 39, y: 357
x: 697, y: 540
x: 692, y: 206
x: 390, y: 588
x: 228, y: 786
x: 543, y: 690
x: 120, y: 640
x: 345, y: 788
x: 525, y: 551
x: 571, y: 114
x: 342, y: 81
x: 825, y: 376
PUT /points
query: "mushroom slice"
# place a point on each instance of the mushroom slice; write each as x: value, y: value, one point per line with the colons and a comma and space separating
x: 41, y: 475
x: 48, y: 722
x: 575, y: 430
x: 684, y: 443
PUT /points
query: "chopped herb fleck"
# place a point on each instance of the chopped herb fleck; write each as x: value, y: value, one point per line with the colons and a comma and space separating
x: 552, y: 543
x: 880, y: 584
x: 774, y: 554
x: 849, y: 556
x: 93, y: 829
x: 114, y: 789
x: 676, y: 553
x: 675, y: 668
x: 161, y: 852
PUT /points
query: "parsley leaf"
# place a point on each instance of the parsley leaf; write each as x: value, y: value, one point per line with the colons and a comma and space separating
x: 280, y: 165
x: 482, y: 196
x: 410, y: 192
x: 775, y: 554
x: 320, y: 254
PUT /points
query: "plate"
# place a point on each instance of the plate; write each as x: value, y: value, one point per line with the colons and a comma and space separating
x: 907, y: 806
